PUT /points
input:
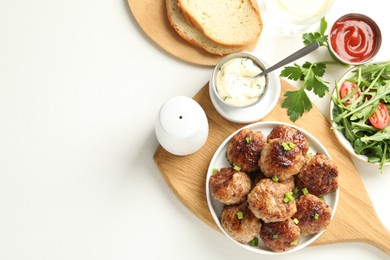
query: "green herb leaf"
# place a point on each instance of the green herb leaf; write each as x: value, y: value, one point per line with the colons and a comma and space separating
x: 296, y: 102
x: 254, y: 242
x: 323, y: 26
x: 292, y: 72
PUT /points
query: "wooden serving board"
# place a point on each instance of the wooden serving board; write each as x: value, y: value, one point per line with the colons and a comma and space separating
x: 151, y: 16
x: 355, y: 218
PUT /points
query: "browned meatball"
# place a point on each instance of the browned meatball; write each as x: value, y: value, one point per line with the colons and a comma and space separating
x: 281, y: 159
x: 313, y: 214
x: 244, y: 150
x: 266, y: 201
x: 289, y: 183
x: 230, y: 186
x: 319, y: 175
x: 280, y: 236
x: 289, y: 133
x: 239, y: 222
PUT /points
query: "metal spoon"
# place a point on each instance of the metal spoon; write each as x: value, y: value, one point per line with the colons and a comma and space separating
x: 296, y: 55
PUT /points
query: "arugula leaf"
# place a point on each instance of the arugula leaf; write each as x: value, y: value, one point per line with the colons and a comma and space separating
x: 296, y: 102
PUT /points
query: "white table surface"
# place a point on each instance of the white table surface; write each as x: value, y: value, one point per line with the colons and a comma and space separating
x: 80, y: 87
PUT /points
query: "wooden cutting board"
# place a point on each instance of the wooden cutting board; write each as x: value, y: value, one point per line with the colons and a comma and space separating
x: 151, y: 16
x: 355, y: 218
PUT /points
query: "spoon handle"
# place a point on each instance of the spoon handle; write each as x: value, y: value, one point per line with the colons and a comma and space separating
x: 296, y: 55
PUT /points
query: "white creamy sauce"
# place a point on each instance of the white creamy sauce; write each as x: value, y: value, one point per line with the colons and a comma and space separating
x: 235, y: 83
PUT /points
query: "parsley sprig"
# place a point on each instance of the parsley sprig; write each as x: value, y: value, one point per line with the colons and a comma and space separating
x: 310, y: 73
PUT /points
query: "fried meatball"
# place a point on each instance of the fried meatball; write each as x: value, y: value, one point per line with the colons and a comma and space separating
x: 281, y: 159
x: 280, y: 236
x: 244, y: 150
x: 319, y: 175
x: 289, y: 183
x: 239, y: 222
x: 313, y: 214
x: 266, y: 201
x: 289, y: 133
x: 230, y: 186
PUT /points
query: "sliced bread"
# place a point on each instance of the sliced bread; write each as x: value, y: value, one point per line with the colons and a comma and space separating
x: 192, y: 34
x: 226, y: 22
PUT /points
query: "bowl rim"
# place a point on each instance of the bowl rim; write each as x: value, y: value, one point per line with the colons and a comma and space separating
x: 221, y: 62
x: 371, y: 22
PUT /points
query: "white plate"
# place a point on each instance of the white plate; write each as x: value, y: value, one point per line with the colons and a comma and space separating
x: 253, y: 113
x: 219, y: 160
x: 339, y: 135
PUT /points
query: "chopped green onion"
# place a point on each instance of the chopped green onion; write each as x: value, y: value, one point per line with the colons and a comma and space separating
x: 225, y: 97
x: 321, y: 198
x: 215, y: 170
x: 294, y: 243
x: 296, y: 221
x: 237, y: 168
x: 240, y: 215
x: 254, y: 242
x: 286, y: 147
x: 296, y: 190
x: 316, y: 216
x: 309, y: 154
x: 248, y: 139
x: 305, y: 191
x: 275, y: 179
x: 288, y: 197
x: 275, y: 236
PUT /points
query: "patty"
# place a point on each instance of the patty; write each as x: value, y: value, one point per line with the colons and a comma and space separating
x: 244, y: 150
x: 267, y: 201
x: 239, y: 222
x: 319, y: 175
x: 289, y: 133
x: 281, y: 159
x: 313, y: 214
x: 280, y: 236
x: 230, y: 186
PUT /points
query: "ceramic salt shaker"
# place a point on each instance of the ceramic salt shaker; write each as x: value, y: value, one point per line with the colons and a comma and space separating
x: 181, y: 126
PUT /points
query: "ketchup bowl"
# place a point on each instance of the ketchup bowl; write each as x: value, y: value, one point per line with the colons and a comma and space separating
x: 355, y: 39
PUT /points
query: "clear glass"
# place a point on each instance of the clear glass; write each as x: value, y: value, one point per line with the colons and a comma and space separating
x: 291, y: 17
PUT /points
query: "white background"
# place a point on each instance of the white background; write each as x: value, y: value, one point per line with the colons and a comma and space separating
x: 80, y: 88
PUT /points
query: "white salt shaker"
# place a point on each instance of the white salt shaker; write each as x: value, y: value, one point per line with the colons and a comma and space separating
x: 181, y: 126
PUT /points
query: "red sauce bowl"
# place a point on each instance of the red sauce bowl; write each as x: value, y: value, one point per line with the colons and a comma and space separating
x: 355, y: 39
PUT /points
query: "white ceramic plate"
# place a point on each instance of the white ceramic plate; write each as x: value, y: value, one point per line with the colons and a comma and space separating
x: 219, y: 160
x: 253, y: 113
x: 339, y: 135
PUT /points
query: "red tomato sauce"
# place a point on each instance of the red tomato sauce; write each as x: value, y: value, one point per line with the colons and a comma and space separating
x: 354, y: 39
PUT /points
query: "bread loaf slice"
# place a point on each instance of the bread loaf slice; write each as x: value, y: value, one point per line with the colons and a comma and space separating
x: 192, y: 34
x: 226, y: 22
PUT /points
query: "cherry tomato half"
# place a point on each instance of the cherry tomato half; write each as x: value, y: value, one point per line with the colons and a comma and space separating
x: 346, y: 88
x: 380, y: 119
